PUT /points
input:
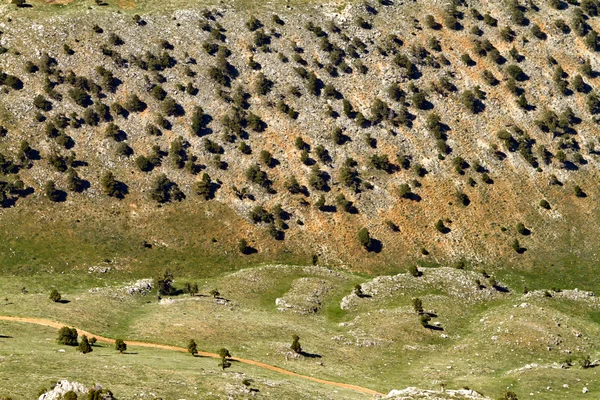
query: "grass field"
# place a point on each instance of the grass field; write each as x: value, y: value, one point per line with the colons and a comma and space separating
x: 377, y: 343
x: 490, y: 338
x: 30, y: 361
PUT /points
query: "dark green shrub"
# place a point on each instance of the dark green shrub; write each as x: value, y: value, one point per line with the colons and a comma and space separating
x: 537, y: 32
x: 262, y: 85
x: 41, y: 103
x: 134, y: 104
x: 111, y: 186
x: 515, y: 72
x: 67, y: 336
x: 419, y: 100
x: 431, y: 23
x: 243, y: 246
x: 255, y: 175
x: 439, y: 225
x: 253, y: 23
x: 489, y: 20
x: 55, y: 296
x: 120, y: 346
x: 317, y: 179
x: 364, y: 238
x: 84, y: 347
x: 507, y: 34
x: 516, y: 246
x: 52, y: 192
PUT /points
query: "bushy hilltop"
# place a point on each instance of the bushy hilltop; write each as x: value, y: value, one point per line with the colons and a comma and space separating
x: 451, y: 133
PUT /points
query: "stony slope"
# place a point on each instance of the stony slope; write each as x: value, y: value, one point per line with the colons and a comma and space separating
x: 479, y: 181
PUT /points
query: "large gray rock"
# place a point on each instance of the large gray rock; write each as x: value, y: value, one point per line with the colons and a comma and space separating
x: 63, y: 387
x: 413, y: 393
x: 142, y: 286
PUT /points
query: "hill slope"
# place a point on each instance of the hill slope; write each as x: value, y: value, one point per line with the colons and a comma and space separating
x: 387, y: 119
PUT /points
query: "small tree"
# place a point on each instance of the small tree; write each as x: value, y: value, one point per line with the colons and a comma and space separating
x: 52, y: 191
x: 164, y: 284
x: 509, y: 396
x: 224, y: 353
x: 120, y: 345
x: 190, y: 288
x: 516, y: 245
x: 93, y: 341
x: 296, y: 348
x: 243, y: 246
x: 192, y: 348
x: 439, y: 225
x: 55, y: 296
x: 424, y: 320
x: 586, y: 362
x: 67, y: 336
x: 417, y: 305
x: 134, y: 104
x: 84, y: 346
x: 214, y: 293
x: 358, y: 290
x: 111, y: 186
x: 364, y: 238
x: 70, y: 395
x: 404, y: 190
x: 414, y: 271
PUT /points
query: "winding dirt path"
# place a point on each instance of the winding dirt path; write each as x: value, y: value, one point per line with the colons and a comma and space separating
x: 58, y: 325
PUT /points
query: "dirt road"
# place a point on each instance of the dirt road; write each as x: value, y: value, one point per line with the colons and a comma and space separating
x: 58, y: 325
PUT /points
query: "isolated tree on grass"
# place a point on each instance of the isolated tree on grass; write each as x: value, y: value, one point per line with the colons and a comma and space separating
x: 55, y: 296
x: 417, y: 305
x: 414, y: 271
x: 120, y: 345
x: 214, y: 293
x: 296, y: 348
x: 224, y: 353
x: 509, y: 396
x: 586, y: 363
x: 190, y: 288
x: 192, y: 347
x: 92, y: 341
x: 84, y: 346
x: 67, y: 336
x: 164, y: 283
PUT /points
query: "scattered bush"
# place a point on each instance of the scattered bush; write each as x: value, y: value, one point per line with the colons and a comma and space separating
x: 67, y: 336
x: 55, y: 296
x: 364, y: 238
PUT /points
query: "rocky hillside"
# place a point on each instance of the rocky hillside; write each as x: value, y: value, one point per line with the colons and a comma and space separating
x: 453, y: 133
